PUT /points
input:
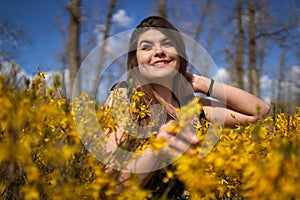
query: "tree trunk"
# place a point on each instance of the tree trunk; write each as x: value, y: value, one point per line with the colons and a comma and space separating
x: 238, y: 68
x: 203, y: 15
x: 162, y: 10
x: 280, y: 99
x: 253, y: 78
x: 73, y: 46
x: 110, y: 13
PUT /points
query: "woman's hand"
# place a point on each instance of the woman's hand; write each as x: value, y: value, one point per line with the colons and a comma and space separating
x: 178, y: 143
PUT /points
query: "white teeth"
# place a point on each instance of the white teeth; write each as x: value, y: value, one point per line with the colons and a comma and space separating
x: 160, y: 63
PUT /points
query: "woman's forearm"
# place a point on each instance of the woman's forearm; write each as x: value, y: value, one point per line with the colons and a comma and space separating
x: 235, y: 98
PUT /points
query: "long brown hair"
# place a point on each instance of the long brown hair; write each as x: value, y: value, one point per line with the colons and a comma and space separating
x: 167, y: 28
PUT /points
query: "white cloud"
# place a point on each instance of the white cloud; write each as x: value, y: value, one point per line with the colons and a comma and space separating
x: 121, y: 18
x: 295, y: 79
x: 266, y: 87
x: 286, y: 90
x: 221, y: 75
x: 295, y: 73
x: 265, y: 82
x: 62, y: 76
x: 11, y: 68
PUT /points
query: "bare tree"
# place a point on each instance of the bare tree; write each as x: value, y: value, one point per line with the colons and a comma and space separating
x: 196, y: 19
x: 11, y: 39
x: 204, y: 9
x: 238, y: 67
x: 74, y: 45
x: 64, y: 62
x: 295, y: 83
x: 253, y: 77
x: 200, y: 25
x: 281, y: 103
x: 62, y: 55
x: 162, y: 8
x: 112, y: 8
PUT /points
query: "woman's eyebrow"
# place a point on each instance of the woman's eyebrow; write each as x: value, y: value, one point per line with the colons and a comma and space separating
x: 165, y: 39
x: 151, y: 42
x: 145, y: 41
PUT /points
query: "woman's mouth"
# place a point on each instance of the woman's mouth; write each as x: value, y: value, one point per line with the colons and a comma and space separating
x: 161, y: 63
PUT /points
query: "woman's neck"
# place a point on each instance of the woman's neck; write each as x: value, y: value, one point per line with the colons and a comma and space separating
x: 165, y: 94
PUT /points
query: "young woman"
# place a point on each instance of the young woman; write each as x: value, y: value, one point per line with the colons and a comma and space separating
x: 158, y: 58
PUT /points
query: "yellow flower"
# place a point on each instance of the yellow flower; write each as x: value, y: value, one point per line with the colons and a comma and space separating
x: 157, y: 143
x: 30, y: 193
x: 32, y: 173
x: 136, y: 96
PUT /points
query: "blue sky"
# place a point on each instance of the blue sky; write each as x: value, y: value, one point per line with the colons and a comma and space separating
x: 39, y: 19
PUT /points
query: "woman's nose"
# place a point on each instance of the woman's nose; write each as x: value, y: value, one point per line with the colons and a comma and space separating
x: 159, y: 51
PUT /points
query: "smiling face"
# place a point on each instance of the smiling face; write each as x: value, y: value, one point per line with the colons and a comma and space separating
x: 157, y: 56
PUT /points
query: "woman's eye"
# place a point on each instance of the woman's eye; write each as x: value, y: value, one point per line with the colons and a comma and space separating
x: 167, y: 44
x: 146, y: 47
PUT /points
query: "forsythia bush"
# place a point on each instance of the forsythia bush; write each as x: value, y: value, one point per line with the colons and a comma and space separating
x: 42, y: 156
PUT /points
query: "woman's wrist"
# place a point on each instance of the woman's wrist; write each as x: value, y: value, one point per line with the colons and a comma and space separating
x: 210, y: 88
x: 201, y: 84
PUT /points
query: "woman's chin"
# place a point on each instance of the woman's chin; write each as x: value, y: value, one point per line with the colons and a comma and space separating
x: 161, y: 74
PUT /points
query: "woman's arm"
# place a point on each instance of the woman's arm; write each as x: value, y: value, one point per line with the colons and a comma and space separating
x: 234, y: 106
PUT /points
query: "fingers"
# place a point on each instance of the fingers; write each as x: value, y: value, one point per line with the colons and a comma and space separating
x: 178, y: 143
x: 188, y: 134
x: 179, y: 147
